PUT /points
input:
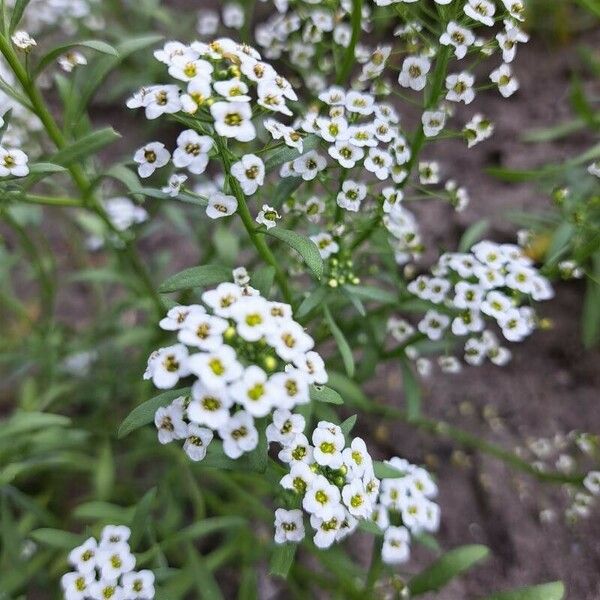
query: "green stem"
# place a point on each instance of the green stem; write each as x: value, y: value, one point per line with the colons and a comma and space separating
x: 349, y: 56
x: 255, y: 237
x: 374, y: 568
x: 77, y: 173
x: 48, y: 200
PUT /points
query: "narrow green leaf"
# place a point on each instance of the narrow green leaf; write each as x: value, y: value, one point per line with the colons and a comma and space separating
x: 370, y: 292
x: 385, y: 471
x: 348, y: 425
x: 322, y: 393
x: 262, y: 279
x: 547, y: 591
x: 560, y: 243
x: 203, y: 528
x: 103, y: 511
x: 201, y: 276
x: 85, y: 146
x: 282, y: 560
x: 285, y: 188
x: 140, y: 518
x: 590, y: 318
x: 144, y: 413
x: 473, y: 234
x: 205, y: 582
x: 55, y: 538
x: 55, y: 53
x: 17, y: 14
x: 285, y: 154
x: 45, y: 167
x: 447, y: 567
x: 412, y: 389
x: 104, y: 474
x: 341, y: 342
x: 371, y: 527
x: 305, y: 247
x: 349, y: 390
x: 311, y: 302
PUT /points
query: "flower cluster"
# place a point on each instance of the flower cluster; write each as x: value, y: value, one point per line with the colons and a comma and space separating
x: 105, y: 570
x: 334, y: 483
x: 248, y: 358
x: 213, y: 85
x: 405, y: 507
x: 493, y: 281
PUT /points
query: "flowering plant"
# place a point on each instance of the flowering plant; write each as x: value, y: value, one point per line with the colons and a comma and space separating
x: 275, y: 173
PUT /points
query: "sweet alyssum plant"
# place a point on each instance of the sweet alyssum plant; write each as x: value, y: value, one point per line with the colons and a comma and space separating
x: 308, y: 161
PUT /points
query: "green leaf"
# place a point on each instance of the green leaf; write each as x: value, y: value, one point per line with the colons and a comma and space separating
x: 45, y: 167
x: 473, y: 234
x: 55, y: 538
x: 262, y: 279
x: 141, y: 517
x: 311, y: 302
x: 203, y: 528
x: 205, y: 582
x: 561, y: 240
x: 51, y: 56
x: 285, y: 188
x: 202, y: 276
x: 546, y: 591
x: 104, y: 474
x: 349, y: 390
x: 103, y: 511
x: 305, y: 247
x: 144, y: 413
x: 341, y: 342
x: 371, y: 527
x: 282, y: 560
x: 412, y: 389
x: 348, y: 425
x: 85, y: 146
x: 285, y: 154
x: 446, y: 568
x: 590, y: 318
x: 370, y: 292
x: 17, y: 14
x: 385, y: 471
x: 322, y: 393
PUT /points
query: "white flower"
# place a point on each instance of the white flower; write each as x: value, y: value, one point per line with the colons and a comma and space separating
x: 149, y: 158
x: 167, y: 365
x: 84, y: 558
x: 22, y: 40
x: 221, y: 205
x: 267, y: 216
x: 209, y: 407
x: 233, y: 120
x: 459, y: 37
x: 433, y: 122
x: 291, y: 388
x: 299, y: 477
x: 113, y: 535
x: 312, y: 365
x: 481, y: 10
x: 460, y: 87
x: 507, y: 40
x: 185, y: 68
x: 106, y: 589
x: 250, y: 172
x: 285, y: 426
x: 290, y: 340
x: 356, y: 458
x: 346, y: 153
x: 208, y: 22
x: 379, y: 162
x: 356, y: 499
x: 160, y: 100
x: 196, y: 442
x: 297, y: 450
x: 503, y: 77
x: 169, y: 422
x: 322, y: 498
x: 192, y: 151
x: 329, y: 443
x: 123, y: 213
x: 13, y: 162
x: 115, y: 561
x: 594, y: 169
x: 592, y: 482
x: 477, y: 130
x: 496, y: 304
x: 414, y: 72
x: 174, y: 184
x: 515, y: 326
x: 516, y: 8
x: 433, y: 324
x: 254, y: 392
x: 467, y: 321
x: 138, y: 585
x: 327, y: 529
x: 233, y: 90
x: 203, y: 331
x: 309, y: 165
x: 67, y: 62
x: 429, y: 172
x: 177, y: 316
x: 289, y: 526
x: 77, y: 586
x: 395, y: 549
x: 239, y: 435
x: 360, y: 103
x: 198, y: 91
x: 222, y: 298
x: 467, y: 295
x: 351, y: 195
x: 217, y: 368
x: 252, y: 317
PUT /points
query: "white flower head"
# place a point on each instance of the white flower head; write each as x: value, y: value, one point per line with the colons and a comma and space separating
x: 289, y: 526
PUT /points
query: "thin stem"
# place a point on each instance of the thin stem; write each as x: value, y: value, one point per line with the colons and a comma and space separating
x: 349, y: 56
x: 374, y: 568
x: 255, y: 237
